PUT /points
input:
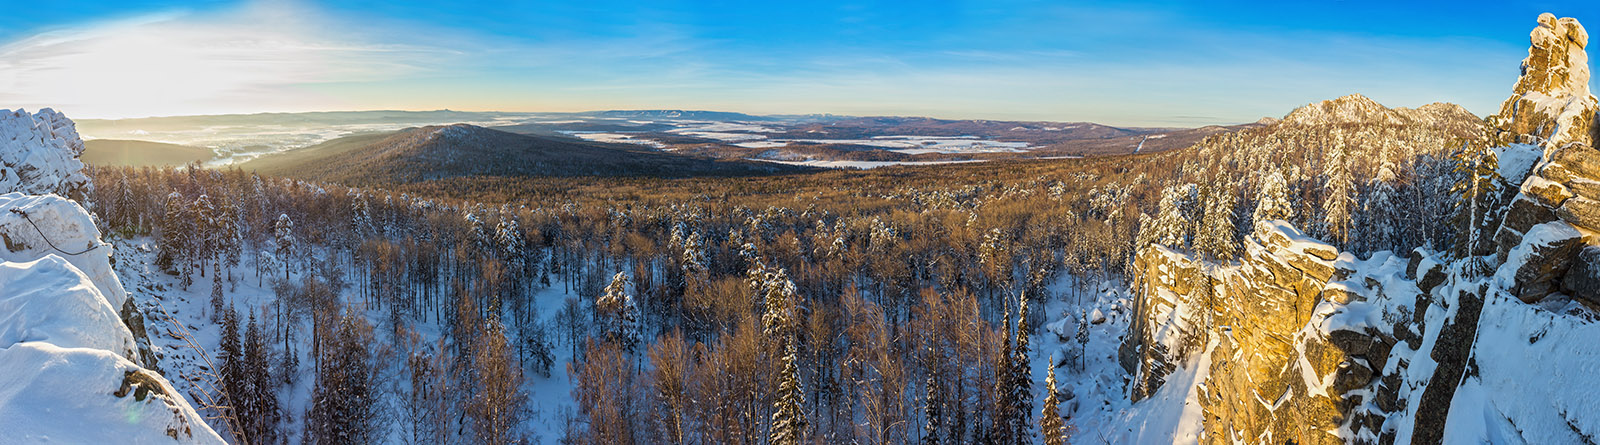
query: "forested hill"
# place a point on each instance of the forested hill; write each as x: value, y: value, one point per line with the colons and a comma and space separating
x: 437, y: 152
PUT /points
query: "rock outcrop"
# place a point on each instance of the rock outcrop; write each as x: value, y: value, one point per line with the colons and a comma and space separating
x: 1551, y: 104
x: 41, y: 153
x: 1294, y: 344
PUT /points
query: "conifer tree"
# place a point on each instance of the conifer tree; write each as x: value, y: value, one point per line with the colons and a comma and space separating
x: 1272, y: 202
x: 360, y: 217
x: 788, y: 419
x: 1216, y: 237
x: 1174, y: 222
x: 1050, y: 416
x: 1338, y: 197
x: 177, y: 234
x: 617, y: 315
x: 1381, y: 211
x: 261, y: 410
x: 283, y: 235
x: 216, y: 297
x: 932, y: 432
x: 343, y: 399
x: 204, y: 216
x: 1021, y: 379
x: 1003, y: 395
x: 231, y: 367
x: 122, y: 207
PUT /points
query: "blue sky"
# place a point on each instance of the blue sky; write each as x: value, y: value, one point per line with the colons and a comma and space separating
x: 1157, y: 63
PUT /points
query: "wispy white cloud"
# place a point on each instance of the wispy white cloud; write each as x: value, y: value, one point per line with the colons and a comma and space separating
x: 247, y: 60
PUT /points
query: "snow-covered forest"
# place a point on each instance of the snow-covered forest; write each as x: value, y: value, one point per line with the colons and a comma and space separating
x: 934, y: 304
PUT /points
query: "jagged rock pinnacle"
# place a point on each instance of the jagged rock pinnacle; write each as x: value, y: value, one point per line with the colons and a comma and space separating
x: 1551, y: 103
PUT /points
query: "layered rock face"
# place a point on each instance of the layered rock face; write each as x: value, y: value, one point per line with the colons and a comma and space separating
x: 1289, y: 357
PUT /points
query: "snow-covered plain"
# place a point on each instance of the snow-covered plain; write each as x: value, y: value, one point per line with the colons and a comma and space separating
x: 910, y: 145
x: 613, y: 137
x: 863, y: 165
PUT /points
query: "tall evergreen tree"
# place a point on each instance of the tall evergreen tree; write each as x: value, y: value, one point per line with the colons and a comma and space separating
x: 217, y: 304
x: 1004, y: 402
x: 788, y: 418
x: 177, y: 238
x: 1050, y: 417
x: 1216, y: 237
x: 1379, y: 215
x: 283, y: 236
x: 1338, y: 200
x: 1272, y: 200
x: 1174, y: 223
x: 230, y: 364
x: 343, y: 399
x: 1021, y: 378
x: 617, y: 315
x: 261, y: 409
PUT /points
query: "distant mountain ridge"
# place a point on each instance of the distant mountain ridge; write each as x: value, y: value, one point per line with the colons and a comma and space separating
x: 1356, y: 109
x: 439, y: 152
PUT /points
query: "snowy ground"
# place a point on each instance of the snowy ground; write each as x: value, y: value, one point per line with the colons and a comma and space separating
x: 1098, y: 409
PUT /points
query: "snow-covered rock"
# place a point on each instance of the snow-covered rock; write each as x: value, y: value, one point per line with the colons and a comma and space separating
x: 90, y: 396
x: 40, y: 154
x: 48, y: 300
x: 36, y: 226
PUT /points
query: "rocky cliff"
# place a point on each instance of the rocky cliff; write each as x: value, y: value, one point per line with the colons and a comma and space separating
x: 1293, y: 335
x: 1301, y: 343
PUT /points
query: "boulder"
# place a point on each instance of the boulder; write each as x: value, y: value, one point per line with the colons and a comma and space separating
x: 1532, y: 269
x: 1582, y: 212
x: 1583, y: 279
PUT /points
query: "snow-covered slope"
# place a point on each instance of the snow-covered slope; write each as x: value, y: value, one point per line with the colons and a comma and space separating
x: 68, y: 370
x: 67, y: 376
x: 49, y: 300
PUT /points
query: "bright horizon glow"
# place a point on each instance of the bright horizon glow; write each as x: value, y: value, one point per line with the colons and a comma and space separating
x: 1149, y: 64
